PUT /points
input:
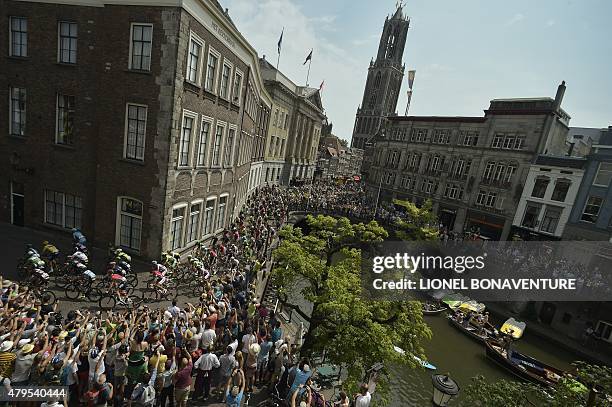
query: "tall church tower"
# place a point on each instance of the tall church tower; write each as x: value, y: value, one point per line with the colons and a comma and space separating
x: 384, y: 82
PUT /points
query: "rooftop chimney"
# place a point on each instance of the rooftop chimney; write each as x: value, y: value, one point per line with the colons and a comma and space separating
x: 559, y: 95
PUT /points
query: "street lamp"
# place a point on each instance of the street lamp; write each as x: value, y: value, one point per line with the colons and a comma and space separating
x: 444, y: 389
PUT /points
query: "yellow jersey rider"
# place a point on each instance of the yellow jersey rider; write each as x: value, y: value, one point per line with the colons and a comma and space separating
x: 49, y: 250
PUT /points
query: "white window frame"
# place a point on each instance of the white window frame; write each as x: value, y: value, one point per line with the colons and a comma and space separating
x: 230, y: 154
x: 489, y: 170
x: 119, y: 213
x: 237, y: 99
x: 131, y: 56
x: 10, y: 37
x: 213, y: 219
x: 182, y: 205
x: 194, y: 130
x: 599, y: 170
x: 596, y: 215
x: 221, y: 145
x: 195, y: 38
x: 125, y: 138
x: 218, y: 214
x: 57, y: 118
x: 498, y: 140
x: 229, y: 65
x: 214, y: 52
x: 210, y: 121
x: 196, y: 235
x: 59, y: 43
x: 510, y: 171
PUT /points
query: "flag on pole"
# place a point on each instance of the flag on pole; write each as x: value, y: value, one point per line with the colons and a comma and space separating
x: 308, y: 58
x: 280, y: 41
x: 321, y: 85
x: 411, y: 75
x: 408, y: 103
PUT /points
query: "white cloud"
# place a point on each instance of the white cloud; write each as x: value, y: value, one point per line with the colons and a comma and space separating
x: 261, y: 23
x: 550, y: 23
x: 518, y: 17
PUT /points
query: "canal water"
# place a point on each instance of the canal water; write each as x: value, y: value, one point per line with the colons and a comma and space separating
x: 462, y: 358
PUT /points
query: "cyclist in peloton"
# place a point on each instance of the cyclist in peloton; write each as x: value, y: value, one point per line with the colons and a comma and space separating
x: 31, y: 251
x: 159, y: 272
x: 170, y: 259
x: 78, y: 237
x: 32, y: 259
x: 79, y: 257
x: 198, y: 266
x: 49, y: 250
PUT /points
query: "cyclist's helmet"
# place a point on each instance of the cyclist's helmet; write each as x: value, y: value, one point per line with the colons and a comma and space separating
x: 45, y: 242
x: 154, y: 263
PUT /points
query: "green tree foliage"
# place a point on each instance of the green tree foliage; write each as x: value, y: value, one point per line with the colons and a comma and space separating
x: 325, y: 267
x: 419, y: 223
x: 568, y: 392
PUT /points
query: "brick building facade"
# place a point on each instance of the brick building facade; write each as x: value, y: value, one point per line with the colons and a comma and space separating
x: 472, y: 168
x: 136, y: 123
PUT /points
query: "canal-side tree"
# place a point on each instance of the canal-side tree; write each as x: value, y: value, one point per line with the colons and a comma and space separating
x: 417, y: 223
x: 354, y: 331
x: 570, y: 391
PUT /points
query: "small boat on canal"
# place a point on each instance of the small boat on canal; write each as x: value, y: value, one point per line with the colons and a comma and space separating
x: 523, y: 366
x: 471, y: 330
x: 433, y: 309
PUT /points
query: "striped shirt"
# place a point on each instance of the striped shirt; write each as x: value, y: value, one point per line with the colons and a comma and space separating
x: 7, y: 363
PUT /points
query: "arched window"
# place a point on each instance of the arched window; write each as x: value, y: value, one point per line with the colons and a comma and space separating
x: 561, y: 187
x: 129, y: 223
x: 540, y: 186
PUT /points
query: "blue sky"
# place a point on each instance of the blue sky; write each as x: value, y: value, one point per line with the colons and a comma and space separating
x: 465, y: 52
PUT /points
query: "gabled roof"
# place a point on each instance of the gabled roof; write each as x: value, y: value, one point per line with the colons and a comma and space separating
x: 312, y: 95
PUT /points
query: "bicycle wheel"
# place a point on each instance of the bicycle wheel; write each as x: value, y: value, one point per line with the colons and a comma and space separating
x: 134, y: 301
x: 132, y: 279
x: 171, y: 293
x: 72, y: 291
x: 62, y: 280
x: 107, y: 302
x: 93, y: 294
x: 50, y: 295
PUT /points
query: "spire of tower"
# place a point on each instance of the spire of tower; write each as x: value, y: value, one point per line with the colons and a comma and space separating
x: 399, y: 14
